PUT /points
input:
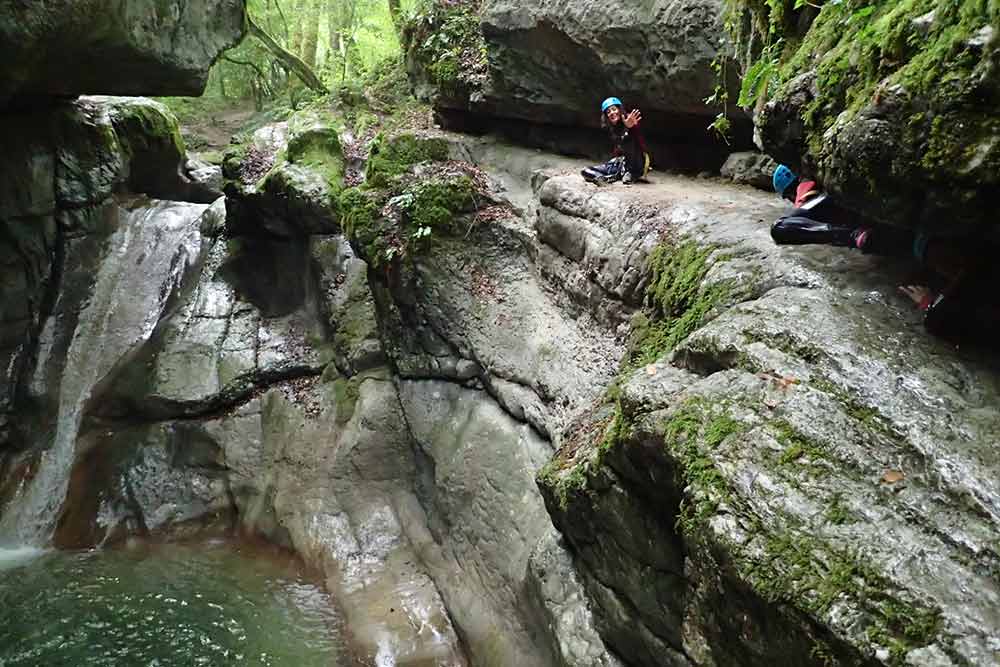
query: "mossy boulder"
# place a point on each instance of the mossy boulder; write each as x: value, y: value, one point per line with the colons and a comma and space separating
x: 144, y: 47
x: 285, y: 180
x: 394, y: 154
x: 890, y: 105
x: 152, y: 147
x: 388, y: 226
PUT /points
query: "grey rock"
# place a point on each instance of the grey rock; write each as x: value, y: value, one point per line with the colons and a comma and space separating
x: 553, y: 62
x: 485, y: 514
x: 207, y: 178
x: 96, y: 46
x: 749, y: 168
x: 347, y: 305
x: 285, y: 181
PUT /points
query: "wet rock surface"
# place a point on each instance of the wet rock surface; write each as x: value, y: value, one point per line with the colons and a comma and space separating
x: 787, y: 469
x: 808, y: 472
x: 59, y: 174
x: 149, y: 47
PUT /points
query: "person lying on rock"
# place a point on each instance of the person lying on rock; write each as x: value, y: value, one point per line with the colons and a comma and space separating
x: 817, y: 218
x: 630, y: 160
x: 961, y: 307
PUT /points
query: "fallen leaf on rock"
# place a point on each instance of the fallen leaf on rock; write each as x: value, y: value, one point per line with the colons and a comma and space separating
x: 893, y: 476
x: 785, y: 383
x: 780, y: 381
x: 651, y: 369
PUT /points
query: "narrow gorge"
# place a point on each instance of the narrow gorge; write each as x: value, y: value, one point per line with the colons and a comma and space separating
x: 498, y: 415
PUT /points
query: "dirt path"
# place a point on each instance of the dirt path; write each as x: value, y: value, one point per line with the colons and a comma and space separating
x: 213, y: 132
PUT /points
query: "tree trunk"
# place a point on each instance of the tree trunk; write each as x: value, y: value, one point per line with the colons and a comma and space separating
x: 396, y: 13
x: 289, y: 60
x: 310, y: 34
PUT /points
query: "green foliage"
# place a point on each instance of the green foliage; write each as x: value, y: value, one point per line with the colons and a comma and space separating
x: 351, y: 45
x: 446, y: 40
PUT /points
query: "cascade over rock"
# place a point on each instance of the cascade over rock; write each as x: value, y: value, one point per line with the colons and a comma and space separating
x: 59, y: 177
x: 511, y: 417
x: 139, y: 47
x: 764, y: 482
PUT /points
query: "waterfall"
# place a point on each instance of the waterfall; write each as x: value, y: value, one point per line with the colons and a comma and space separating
x: 145, y: 261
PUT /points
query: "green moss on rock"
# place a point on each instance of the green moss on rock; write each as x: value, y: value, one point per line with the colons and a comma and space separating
x: 147, y: 130
x: 422, y: 210
x: 436, y: 202
x: 900, y: 117
x: 391, y: 156
x: 678, y: 299
x: 314, y: 143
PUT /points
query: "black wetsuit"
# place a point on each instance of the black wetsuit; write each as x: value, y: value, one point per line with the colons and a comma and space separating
x: 821, y: 220
x: 968, y: 307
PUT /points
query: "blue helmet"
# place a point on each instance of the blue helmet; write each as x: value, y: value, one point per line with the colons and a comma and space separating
x: 782, y: 178
x: 610, y: 102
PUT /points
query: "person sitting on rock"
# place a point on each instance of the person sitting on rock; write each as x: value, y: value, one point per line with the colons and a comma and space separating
x: 963, y: 308
x: 630, y: 159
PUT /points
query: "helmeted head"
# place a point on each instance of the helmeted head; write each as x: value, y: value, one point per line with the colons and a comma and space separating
x: 782, y: 179
x: 611, y: 112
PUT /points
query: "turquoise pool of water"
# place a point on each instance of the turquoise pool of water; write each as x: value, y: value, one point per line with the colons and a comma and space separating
x: 216, y: 603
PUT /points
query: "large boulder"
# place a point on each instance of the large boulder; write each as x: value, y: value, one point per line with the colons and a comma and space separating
x: 551, y: 63
x: 284, y: 180
x: 893, y: 108
x: 139, y: 47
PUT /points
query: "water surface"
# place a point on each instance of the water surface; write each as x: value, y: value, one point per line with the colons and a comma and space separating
x: 205, y: 604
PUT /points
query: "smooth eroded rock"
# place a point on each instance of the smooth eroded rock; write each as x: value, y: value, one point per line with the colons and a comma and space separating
x: 140, y: 47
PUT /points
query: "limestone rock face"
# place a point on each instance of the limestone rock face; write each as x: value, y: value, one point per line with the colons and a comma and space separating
x: 911, y: 136
x: 536, y: 69
x: 140, y: 47
x: 788, y: 437
x: 554, y: 61
x: 59, y: 174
